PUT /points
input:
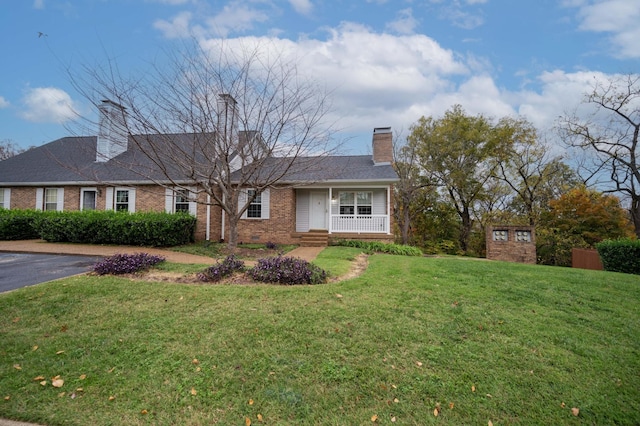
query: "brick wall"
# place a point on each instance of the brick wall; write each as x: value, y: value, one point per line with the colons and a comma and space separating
x: 281, y: 223
x: 511, y: 243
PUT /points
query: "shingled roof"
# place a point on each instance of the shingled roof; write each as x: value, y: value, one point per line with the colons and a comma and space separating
x: 72, y: 161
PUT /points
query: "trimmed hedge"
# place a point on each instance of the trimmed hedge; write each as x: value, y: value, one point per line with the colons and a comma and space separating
x: 99, y: 227
x: 18, y: 224
x: 620, y: 255
x: 378, y: 247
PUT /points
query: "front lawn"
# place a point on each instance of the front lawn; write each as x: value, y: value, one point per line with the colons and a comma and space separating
x: 411, y: 341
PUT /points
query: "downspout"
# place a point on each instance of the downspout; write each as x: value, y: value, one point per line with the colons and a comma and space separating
x: 208, y: 232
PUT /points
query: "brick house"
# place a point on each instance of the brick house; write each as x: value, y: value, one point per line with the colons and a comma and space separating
x: 337, y: 197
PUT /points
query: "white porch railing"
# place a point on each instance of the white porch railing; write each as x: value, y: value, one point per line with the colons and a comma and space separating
x: 365, y: 223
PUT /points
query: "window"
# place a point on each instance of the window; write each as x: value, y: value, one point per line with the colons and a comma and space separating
x: 352, y: 203
x: 88, y: 199
x: 255, y: 207
x: 51, y: 199
x: 181, y: 201
x: 2, y: 202
x: 122, y: 200
x: 258, y: 207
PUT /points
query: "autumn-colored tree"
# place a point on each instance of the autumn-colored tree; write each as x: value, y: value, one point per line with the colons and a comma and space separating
x: 580, y: 218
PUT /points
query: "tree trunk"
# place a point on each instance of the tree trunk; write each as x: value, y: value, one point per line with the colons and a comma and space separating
x: 232, y: 239
x: 635, y: 215
x: 465, y: 230
x: 405, y: 223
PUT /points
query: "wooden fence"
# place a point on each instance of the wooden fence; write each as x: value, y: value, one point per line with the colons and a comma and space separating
x: 586, y: 259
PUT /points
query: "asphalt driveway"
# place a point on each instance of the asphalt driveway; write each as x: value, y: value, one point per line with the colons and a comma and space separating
x: 23, y: 269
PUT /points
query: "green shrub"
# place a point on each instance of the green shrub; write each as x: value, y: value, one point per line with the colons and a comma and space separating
x: 620, y: 255
x: 379, y: 247
x: 120, y: 228
x: 18, y: 224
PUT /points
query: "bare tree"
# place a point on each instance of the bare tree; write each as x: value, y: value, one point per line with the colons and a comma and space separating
x: 247, y: 120
x: 611, y: 132
x: 8, y: 149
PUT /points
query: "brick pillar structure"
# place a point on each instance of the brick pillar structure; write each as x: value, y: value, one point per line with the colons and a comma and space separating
x: 511, y: 243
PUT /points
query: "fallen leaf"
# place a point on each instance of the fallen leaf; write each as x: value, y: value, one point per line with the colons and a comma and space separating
x: 58, y: 383
x: 73, y: 395
x: 436, y: 412
x: 17, y: 367
x: 575, y: 411
x: 195, y: 361
x: 247, y: 421
x: 83, y: 376
x: 111, y: 371
x: 473, y: 388
x: 393, y: 419
x: 194, y: 392
x: 35, y: 348
x: 260, y: 419
x: 562, y: 405
x: 374, y: 418
x: 251, y: 402
x: 418, y: 363
x: 61, y: 394
x: 144, y: 412
x: 111, y: 398
x: 7, y: 398
x: 490, y: 423
x: 36, y: 379
x: 396, y: 400
x: 489, y: 395
x: 339, y: 296
x: 198, y: 369
x: 59, y: 352
x: 80, y: 390
x: 451, y: 405
x: 16, y: 319
x: 43, y: 383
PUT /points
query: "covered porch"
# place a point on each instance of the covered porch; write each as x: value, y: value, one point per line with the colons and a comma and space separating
x: 348, y: 210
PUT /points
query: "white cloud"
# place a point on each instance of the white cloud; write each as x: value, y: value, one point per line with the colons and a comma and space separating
x: 617, y: 17
x: 303, y: 7
x: 38, y: 4
x: 4, y: 103
x: 404, y: 23
x: 178, y: 27
x: 48, y: 105
x: 237, y: 17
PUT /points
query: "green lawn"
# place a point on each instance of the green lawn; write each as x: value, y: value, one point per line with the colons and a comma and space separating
x: 473, y: 341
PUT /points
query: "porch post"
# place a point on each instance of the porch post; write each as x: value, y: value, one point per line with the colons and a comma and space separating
x: 388, y: 209
x: 330, y: 209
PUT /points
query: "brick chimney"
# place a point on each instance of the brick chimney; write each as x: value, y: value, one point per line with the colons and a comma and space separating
x: 112, y: 132
x: 382, y: 146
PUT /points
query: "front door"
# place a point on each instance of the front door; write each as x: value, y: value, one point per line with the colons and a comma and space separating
x: 318, y: 218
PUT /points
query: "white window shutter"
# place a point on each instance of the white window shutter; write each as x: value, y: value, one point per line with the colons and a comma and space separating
x: 39, y: 198
x: 60, y: 199
x: 242, y: 200
x: 168, y: 200
x: 265, y: 204
x: 132, y: 200
x: 109, y: 199
x: 7, y: 198
x: 193, y: 205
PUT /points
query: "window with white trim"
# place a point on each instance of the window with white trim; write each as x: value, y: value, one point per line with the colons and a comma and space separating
x: 180, y: 200
x: 3, y: 204
x: 258, y: 208
x: 356, y: 203
x: 121, y: 200
x: 88, y: 197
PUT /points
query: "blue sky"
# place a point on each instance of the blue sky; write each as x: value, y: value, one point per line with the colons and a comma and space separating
x: 388, y: 62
